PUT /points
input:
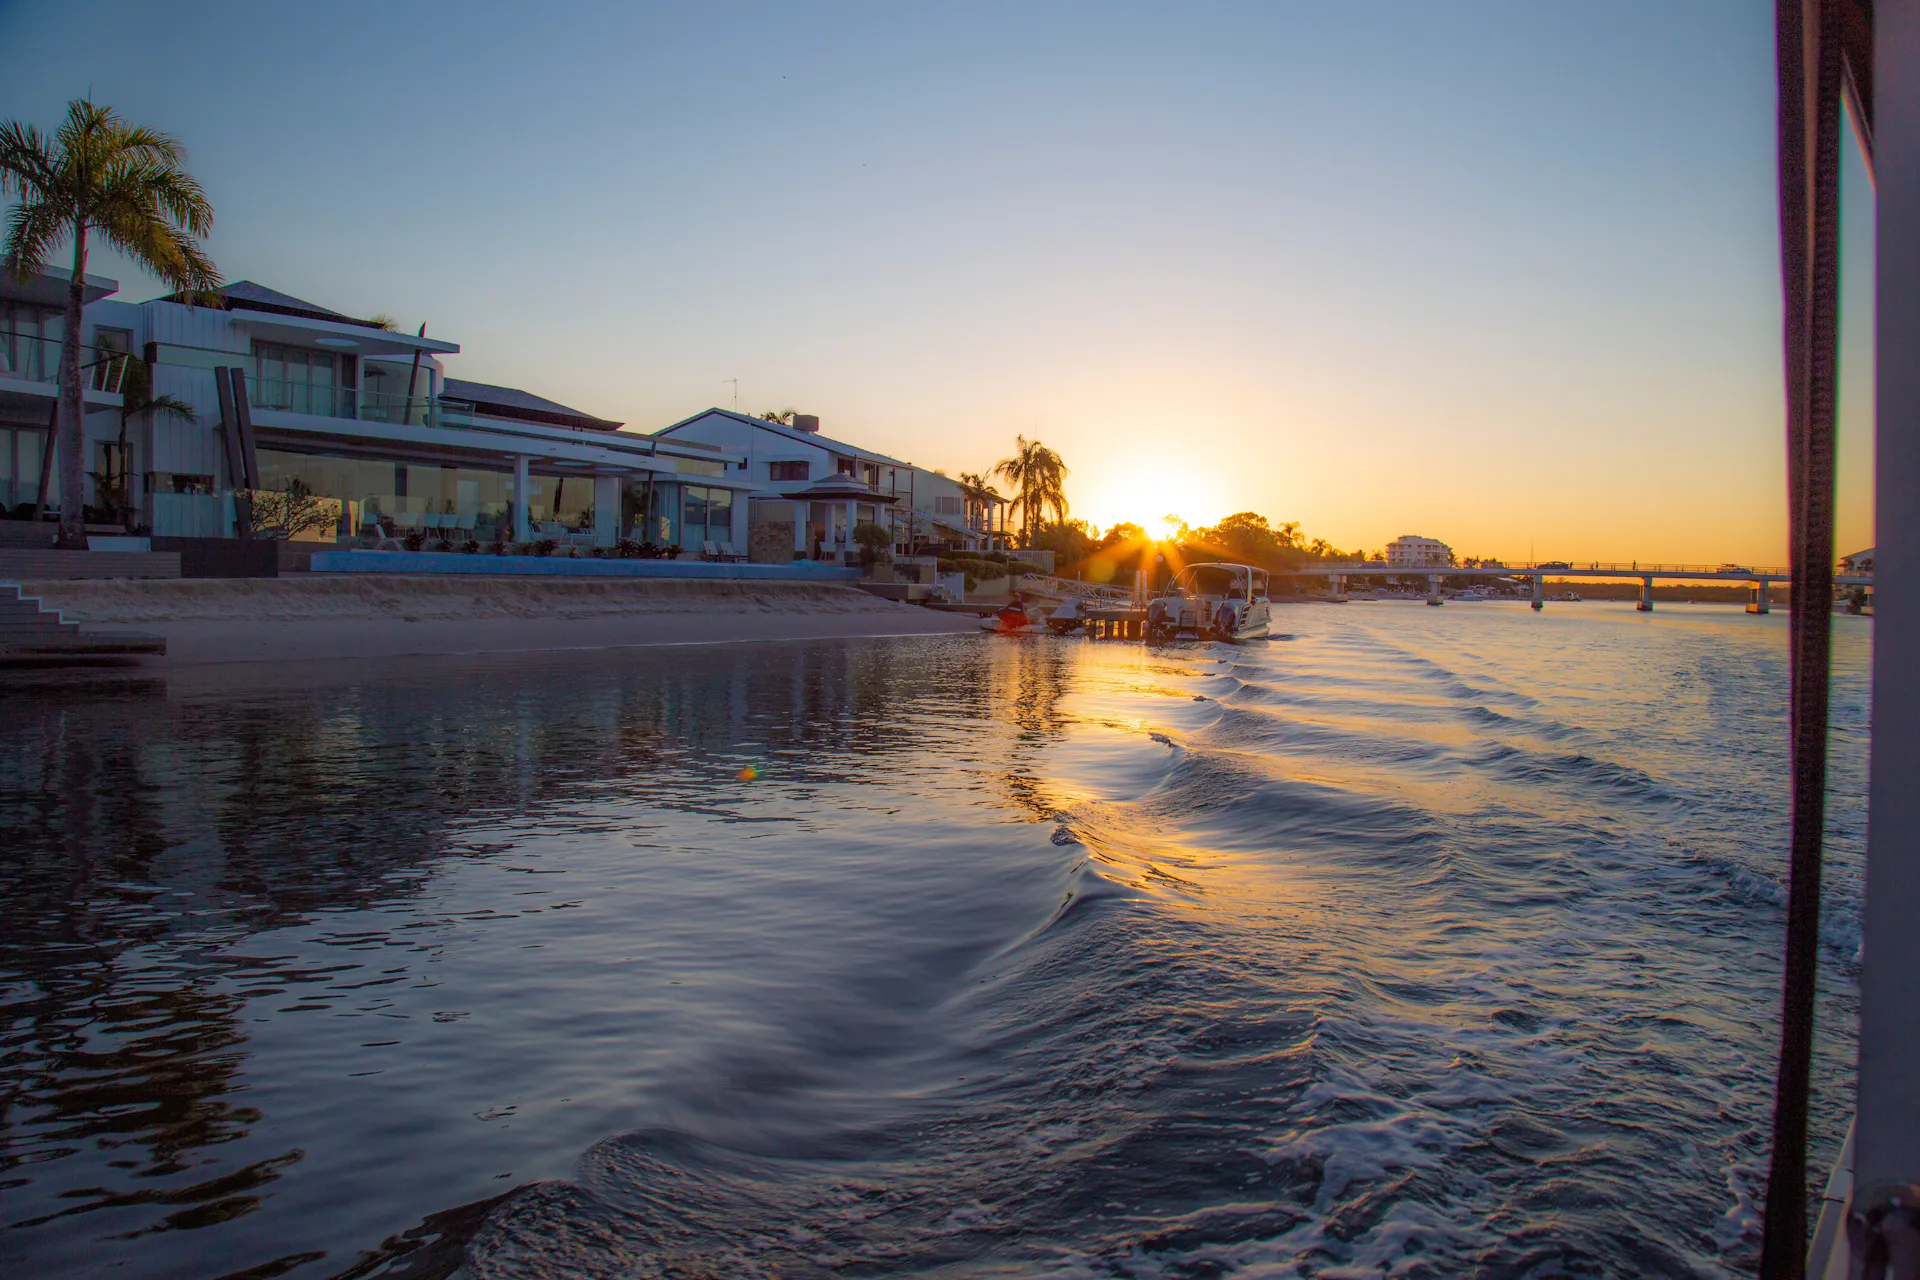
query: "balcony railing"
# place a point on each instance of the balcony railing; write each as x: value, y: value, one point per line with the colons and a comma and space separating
x: 326, y: 401
x: 38, y: 360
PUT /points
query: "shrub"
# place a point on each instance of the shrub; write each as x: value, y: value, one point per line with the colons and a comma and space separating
x: 628, y: 549
x: 470, y: 546
x: 414, y: 540
x: 987, y: 565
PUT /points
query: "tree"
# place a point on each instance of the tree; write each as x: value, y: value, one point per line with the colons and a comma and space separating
x: 1071, y: 541
x: 872, y: 539
x: 782, y: 416
x: 97, y: 173
x: 1040, y: 477
x: 291, y: 510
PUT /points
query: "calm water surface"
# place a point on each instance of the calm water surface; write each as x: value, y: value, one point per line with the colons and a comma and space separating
x: 1423, y: 942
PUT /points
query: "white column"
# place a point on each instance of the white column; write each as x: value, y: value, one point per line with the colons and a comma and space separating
x: 846, y: 537
x: 800, y: 510
x: 606, y: 510
x: 522, y: 531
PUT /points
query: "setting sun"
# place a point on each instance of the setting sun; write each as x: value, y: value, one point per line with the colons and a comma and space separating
x: 1154, y: 493
x: 1160, y: 528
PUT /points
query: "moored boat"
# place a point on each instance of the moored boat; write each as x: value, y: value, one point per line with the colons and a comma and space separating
x: 1213, y: 601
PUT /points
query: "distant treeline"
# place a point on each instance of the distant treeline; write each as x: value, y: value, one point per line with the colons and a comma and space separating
x: 1245, y: 538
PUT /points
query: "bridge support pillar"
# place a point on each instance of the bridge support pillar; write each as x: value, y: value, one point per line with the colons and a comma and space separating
x: 1539, y: 601
x: 1757, y: 601
x: 1433, y: 590
x: 1646, y: 596
x: 1337, y: 588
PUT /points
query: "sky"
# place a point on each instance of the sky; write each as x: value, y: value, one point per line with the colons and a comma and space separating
x: 1503, y: 274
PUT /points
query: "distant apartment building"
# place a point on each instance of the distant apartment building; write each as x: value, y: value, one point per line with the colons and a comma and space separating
x: 1414, y: 552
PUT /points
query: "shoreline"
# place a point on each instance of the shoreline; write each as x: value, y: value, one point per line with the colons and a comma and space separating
x: 214, y: 621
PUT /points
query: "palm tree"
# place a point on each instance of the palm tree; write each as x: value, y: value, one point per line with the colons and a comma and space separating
x: 1041, y: 479
x: 98, y: 173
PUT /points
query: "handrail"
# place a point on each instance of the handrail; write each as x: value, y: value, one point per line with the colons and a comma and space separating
x: 1043, y: 582
x: 38, y: 360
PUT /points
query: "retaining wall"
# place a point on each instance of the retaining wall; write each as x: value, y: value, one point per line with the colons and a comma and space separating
x: 441, y: 562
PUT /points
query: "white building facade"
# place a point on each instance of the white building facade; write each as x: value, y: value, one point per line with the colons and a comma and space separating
x: 810, y: 492
x: 1411, y: 551
x: 355, y: 411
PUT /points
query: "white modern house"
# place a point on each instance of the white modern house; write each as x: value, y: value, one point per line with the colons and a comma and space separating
x: 1414, y: 552
x: 810, y: 491
x: 31, y: 325
x: 357, y: 412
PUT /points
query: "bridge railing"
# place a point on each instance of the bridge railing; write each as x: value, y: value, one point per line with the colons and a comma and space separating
x: 1625, y: 568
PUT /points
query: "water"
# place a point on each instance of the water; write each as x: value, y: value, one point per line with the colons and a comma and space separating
x: 1422, y: 942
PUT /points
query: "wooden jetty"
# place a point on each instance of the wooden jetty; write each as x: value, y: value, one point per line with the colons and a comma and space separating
x: 1115, y: 622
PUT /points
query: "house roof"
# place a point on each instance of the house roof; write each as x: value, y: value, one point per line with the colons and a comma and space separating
x: 786, y: 432
x: 841, y: 487
x: 245, y: 295
x: 510, y: 402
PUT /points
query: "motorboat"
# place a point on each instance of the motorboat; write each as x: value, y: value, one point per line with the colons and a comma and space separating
x: 1212, y: 601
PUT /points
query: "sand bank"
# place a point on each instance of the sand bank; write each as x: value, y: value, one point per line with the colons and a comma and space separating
x: 303, y: 618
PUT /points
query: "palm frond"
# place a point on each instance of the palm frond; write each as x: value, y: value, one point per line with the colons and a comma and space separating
x: 33, y: 229
x: 27, y: 164
x: 168, y: 405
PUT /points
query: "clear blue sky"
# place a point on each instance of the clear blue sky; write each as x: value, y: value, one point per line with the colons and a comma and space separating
x: 1502, y: 274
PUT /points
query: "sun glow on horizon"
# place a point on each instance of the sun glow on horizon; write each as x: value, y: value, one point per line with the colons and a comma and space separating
x: 1161, y: 528
x: 1157, y: 494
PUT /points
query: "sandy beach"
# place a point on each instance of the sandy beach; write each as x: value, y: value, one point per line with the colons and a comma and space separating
x: 208, y: 620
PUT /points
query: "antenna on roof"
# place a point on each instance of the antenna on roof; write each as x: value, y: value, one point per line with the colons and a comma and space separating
x: 736, y: 392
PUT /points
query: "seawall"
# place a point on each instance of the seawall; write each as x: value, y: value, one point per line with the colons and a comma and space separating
x: 329, y: 616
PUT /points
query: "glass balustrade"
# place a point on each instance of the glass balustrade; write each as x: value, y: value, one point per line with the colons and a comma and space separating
x: 38, y: 360
x: 328, y: 401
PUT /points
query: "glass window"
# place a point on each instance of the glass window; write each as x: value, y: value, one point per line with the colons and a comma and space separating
x: 373, y: 491
x: 693, y: 516
x: 787, y: 472
x: 297, y: 380
x: 720, y: 514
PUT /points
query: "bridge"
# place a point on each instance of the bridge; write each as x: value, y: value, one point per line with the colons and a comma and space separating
x: 1757, y: 578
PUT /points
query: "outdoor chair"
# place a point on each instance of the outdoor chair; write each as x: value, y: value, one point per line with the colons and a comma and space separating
x: 407, y: 520
x: 466, y: 521
x: 553, y: 529
x: 727, y: 552
x: 382, y: 540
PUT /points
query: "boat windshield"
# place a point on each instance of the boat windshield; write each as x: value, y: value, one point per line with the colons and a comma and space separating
x: 1215, y: 580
